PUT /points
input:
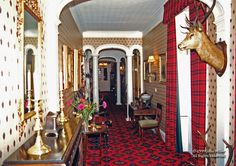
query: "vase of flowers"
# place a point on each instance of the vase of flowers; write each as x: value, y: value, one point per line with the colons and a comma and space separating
x: 84, y: 110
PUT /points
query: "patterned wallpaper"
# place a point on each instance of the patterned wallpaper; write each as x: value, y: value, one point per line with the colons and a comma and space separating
x: 10, y: 86
x: 232, y: 64
x: 11, y: 74
x: 211, y: 92
x: 31, y: 40
x: 155, y: 43
x: 123, y: 41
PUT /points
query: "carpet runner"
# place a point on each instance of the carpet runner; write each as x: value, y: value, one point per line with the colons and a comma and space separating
x: 126, y: 149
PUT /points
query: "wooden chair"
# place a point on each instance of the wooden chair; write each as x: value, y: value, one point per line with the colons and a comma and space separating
x: 144, y: 100
x: 151, y: 123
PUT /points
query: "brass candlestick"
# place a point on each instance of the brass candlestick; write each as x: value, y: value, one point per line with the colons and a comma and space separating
x: 39, y: 148
x: 22, y: 123
x: 62, y: 117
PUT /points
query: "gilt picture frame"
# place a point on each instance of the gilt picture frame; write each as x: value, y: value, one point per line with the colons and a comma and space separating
x: 162, y: 67
x: 145, y: 70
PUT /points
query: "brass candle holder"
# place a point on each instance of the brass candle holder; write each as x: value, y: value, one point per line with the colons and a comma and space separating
x: 62, y: 117
x: 22, y: 123
x: 39, y: 148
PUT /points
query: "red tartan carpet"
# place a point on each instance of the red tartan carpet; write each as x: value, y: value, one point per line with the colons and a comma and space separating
x: 127, y: 149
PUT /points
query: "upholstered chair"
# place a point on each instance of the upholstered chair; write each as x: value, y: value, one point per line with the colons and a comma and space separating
x: 151, y: 123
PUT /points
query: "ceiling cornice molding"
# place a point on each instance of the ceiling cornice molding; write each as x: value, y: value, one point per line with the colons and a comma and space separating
x: 158, y: 19
x: 112, y: 34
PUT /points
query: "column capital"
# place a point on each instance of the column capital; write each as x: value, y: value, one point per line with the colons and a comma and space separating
x: 95, y: 55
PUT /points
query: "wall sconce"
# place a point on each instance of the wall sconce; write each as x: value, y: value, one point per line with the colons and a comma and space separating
x: 103, y: 64
x: 151, y: 59
x: 151, y: 75
x: 122, y: 68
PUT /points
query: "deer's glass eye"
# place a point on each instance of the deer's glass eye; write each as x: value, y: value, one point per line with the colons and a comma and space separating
x: 191, y: 35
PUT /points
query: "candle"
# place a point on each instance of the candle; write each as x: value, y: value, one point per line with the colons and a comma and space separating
x: 29, y: 79
x: 36, y: 86
x: 61, y: 82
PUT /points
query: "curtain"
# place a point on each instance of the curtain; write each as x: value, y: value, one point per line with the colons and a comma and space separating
x: 198, y: 80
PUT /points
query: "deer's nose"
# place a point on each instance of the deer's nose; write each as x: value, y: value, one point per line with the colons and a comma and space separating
x: 179, y: 46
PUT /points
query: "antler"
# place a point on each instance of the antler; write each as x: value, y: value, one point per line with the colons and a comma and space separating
x: 206, y: 144
x: 184, y: 27
x: 209, y: 12
x: 231, y: 151
x: 195, y: 20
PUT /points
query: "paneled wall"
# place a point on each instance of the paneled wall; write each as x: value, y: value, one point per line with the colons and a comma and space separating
x: 68, y: 92
x: 155, y: 43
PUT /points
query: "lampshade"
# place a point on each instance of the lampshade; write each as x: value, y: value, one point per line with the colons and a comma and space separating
x: 103, y: 64
x: 151, y: 59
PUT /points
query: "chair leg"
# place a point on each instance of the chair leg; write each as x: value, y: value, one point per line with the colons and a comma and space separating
x: 158, y: 132
x: 139, y: 131
x: 142, y: 134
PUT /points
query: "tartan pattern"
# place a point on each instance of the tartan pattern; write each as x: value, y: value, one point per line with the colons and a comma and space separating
x: 198, y: 91
x: 198, y: 79
x: 171, y: 86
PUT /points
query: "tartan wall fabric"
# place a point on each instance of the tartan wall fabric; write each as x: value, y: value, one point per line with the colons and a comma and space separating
x: 171, y: 86
x: 173, y: 8
x: 198, y: 92
x: 198, y: 79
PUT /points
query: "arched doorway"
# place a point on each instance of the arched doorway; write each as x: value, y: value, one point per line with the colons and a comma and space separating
x: 110, y: 72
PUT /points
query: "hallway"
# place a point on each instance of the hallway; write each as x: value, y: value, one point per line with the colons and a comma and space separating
x: 126, y: 148
x: 50, y: 50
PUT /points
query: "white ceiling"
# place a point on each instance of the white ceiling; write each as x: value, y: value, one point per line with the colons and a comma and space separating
x: 118, y: 15
x: 108, y: 18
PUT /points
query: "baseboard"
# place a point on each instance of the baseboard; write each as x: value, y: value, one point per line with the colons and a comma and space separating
x: 163, y: 135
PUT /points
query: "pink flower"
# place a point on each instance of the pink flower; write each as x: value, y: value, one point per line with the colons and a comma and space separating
x: 26, y: 103
x: 82, y: 100
x: 81, y: 107
x: 104, y: 104
x: 69, y: 102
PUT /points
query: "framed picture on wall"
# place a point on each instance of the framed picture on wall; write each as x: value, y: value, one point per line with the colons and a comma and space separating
x: 162, y: 67
x: 145, y: 70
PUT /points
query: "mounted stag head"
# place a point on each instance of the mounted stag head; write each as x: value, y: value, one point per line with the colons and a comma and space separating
x: 196, y: 39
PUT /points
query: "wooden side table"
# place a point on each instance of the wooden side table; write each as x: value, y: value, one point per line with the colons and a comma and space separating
x: 66, y: 148
x: 99, y: 130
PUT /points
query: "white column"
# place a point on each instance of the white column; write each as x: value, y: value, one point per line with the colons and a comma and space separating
x: 76, y: 63
x: 223, y: 88
x: 129, y: 83
x: 141, y: 71
x: 51, y: 57
x: 118, y: 92
x: 87, y: 79
x: 95, y: 81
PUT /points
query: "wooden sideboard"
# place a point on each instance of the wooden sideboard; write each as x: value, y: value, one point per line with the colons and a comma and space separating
x: 67, y: 148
